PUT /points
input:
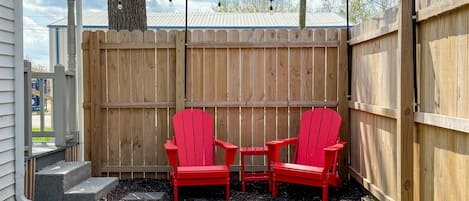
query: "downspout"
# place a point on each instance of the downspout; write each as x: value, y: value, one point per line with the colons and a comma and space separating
x: 79, y: 79
x: 414, y: 55
x: 57, y: 53
x: 19, y: 103
x: 71, y: 116
x: 349, y: 56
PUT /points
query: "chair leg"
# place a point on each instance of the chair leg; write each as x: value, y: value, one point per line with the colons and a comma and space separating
x: 325, y: 191
x: 228, y: 191
x: 175, y: 189
x: 171, y: 179
x: 274, y: 188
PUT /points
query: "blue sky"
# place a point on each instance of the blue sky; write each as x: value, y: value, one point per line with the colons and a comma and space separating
x: 39, y: 13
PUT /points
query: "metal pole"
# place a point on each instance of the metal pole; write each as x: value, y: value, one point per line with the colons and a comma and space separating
x: 349, y: 69
x: 185, y: 52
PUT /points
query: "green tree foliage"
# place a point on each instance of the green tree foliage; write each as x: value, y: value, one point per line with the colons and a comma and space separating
x: 359, y: 10
x: 252, y: 6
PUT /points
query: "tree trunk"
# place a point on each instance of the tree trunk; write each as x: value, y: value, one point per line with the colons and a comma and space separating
x: 131, y: 15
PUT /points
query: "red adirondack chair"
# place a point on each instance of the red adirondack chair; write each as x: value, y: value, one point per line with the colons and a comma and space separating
x: 316, y: 151
x: 191, y: 152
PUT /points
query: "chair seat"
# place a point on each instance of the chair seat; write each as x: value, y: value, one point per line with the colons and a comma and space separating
x: 197, y: 172
x: 297, y: 170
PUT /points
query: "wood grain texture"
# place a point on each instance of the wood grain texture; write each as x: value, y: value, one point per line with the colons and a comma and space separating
x: 255, y: 87
x: 375, y: 138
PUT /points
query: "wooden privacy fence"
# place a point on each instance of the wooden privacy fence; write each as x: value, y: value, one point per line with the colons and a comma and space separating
x: 256, y: 84
x: 438, y: 158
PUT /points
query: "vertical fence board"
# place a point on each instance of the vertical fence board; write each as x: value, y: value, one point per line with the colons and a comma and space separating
x: 137, y: 95
x: 257, y: 85
x: 233, y: 93
x: 209, y: 68
x: 306, y: 71
x: 270, y: 87
x: 124, y: 95
x: 221, y: 91
x: 197, y: 67
x: 149, y: 80
x: 462, y: 42
x: 171, y: 68
x: 332, y: 65
x: 282, y: 90
x: 86, y: 97
x: 104, y: 97
x: 319, y: 67
x: 246, y: 86
x: 162, y: 135
x: 112, y: 123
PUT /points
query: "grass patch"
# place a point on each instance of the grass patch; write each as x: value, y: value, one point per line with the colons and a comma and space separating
x: 42, y: 139
x: 39, y: 129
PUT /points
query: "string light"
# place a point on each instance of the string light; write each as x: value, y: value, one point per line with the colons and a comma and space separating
x: 271, y: 8
x: 219, y: 4
x: 119, y: 5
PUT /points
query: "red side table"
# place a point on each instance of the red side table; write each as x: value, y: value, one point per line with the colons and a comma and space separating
x: 254, y: 151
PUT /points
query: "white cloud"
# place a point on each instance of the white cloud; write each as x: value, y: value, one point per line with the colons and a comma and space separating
x: 36, y: 42
x: 37, y: 15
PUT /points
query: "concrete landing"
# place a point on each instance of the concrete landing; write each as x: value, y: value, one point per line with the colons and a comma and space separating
x: 149, y: 196
x: 91, y: 189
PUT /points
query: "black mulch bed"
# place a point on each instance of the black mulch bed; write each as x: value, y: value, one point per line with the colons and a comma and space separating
x: 256, y: 191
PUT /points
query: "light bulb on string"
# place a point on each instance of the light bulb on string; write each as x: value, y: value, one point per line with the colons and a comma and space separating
x: 171, y: 3
x: 119, y: 5
x: 271, y: 8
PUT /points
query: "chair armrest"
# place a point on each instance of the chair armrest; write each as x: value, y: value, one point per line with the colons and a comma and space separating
x: 335, y: 147
x: 274, y: 147
x: 331, y: 154
x: 171, y: 151
x: 230, y: 151
x: 283, y: 142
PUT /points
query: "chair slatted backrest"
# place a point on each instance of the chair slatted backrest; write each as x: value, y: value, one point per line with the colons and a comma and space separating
x: 319, y: 128
x: 193, y: 130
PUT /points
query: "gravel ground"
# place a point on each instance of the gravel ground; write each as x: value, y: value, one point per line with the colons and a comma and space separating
x: 255, y: 191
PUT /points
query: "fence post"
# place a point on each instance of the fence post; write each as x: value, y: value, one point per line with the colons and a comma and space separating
x: 28, y: 134
x: 60, y: 117
x: 343, y: 102
x: 405, y: 117
x: 180, y: 70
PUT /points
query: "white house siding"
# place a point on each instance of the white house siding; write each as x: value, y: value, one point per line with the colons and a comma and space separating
x: 7, y: 111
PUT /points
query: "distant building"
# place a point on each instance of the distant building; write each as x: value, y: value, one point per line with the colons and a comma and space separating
x: 172, y: 21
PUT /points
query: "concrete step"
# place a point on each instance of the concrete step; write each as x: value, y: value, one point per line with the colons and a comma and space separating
x: 54, y: 180
x: 92, y: 189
